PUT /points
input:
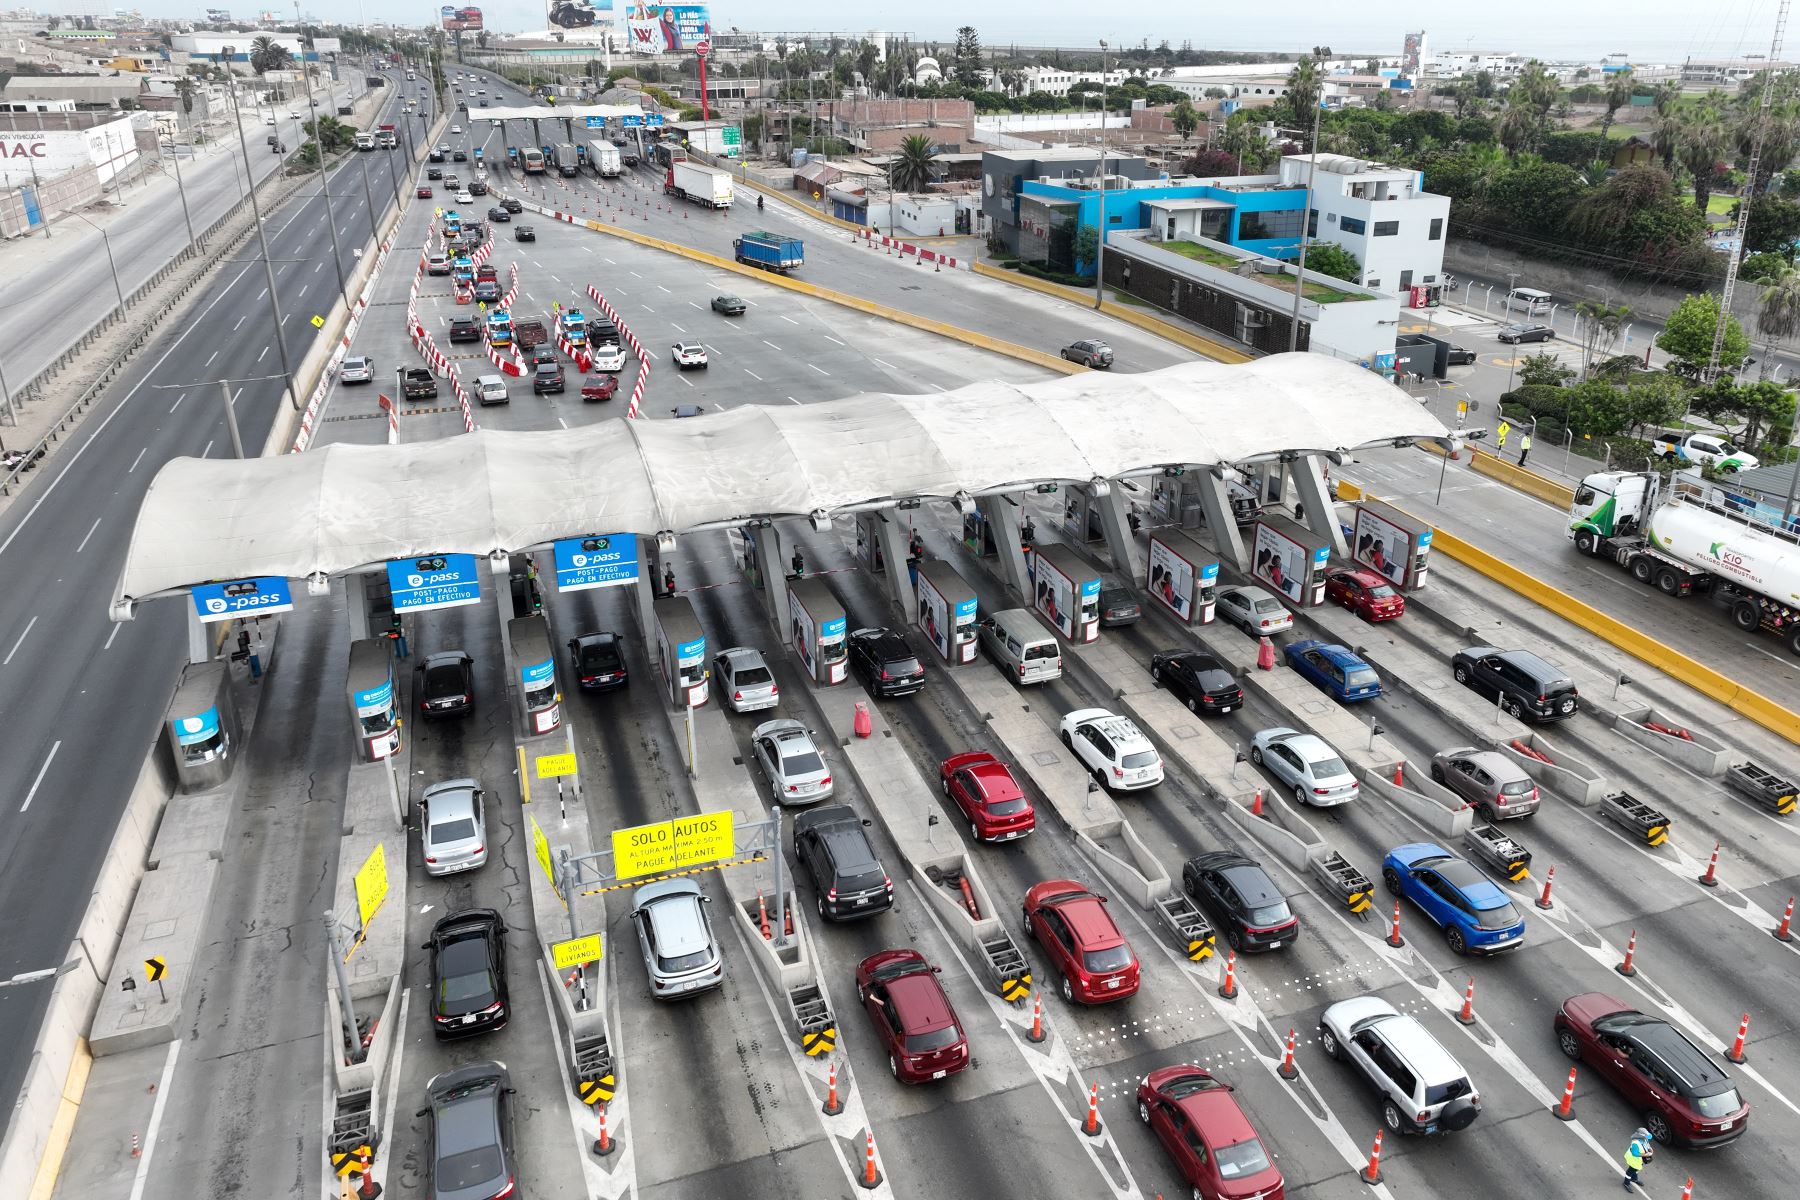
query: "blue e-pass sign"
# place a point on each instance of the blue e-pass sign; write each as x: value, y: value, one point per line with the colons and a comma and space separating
x: 378, y: 699
x: 1209, y: 574
x: 690, y: 652
x: 833, y: 628
x: 242, y: 598
x: 533, y: 674
x: 437, y: 581
x: 1089, y: 588
x: 602, y: 560
x: 595, y: 122
x: 965, y: 610
x: 631, y: 120
x: 653, y: 119
x: 200, y: 727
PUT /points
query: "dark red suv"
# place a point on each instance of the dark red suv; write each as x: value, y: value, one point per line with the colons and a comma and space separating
x: 1199, y: 1122
x: 1082, y: 942
x: 1364, y: 593
x: 1685, y: 1095
x: 984, y: 788
x: 912, y: 1016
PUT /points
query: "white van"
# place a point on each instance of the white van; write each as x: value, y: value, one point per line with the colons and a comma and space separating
x: 1021, y: 646
x: 1529, y: 301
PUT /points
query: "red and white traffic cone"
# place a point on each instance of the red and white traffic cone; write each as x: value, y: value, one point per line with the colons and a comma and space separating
x: 1687, y: 1190
x: 1566, y: 1110
x: 1394, y: 938
x: 1372, y: 1173
x: 1400, y: 774
x: 1782, y: 931
x: 1736, y: 1053
x: 603, y: 1145
x: 1256, y: 804
x: 1091, y: 1126
x: 1287, y: 1069
x: 1037, y: 1017
x: 762, y: 914
x: 833, y: 1105
x: 871, y: 1178
x: 1544, y: 901
x: 1711, y: 878
x: 370, y: 1190
x: 1625, y: 968
x: 1228, y: 989
x: 1467, y: 1015
x: 137, y: 1148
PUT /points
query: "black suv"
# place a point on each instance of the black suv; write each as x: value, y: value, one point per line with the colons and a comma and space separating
x: 831, y: 844
x: 512, y: 206
x: 478, y: 188
x: 468, y: 973
x: 1525, y: 685
x: 885, y: 663
x: 598, y: 661
x: 436, y: 156
x: 446, y: 686
x: 524, y: 233
x: 464, y: 329
x: 547, y: 378
x: 1239, y: 895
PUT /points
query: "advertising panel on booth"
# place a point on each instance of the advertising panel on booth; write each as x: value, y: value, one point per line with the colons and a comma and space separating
x: 1278, y: 561
x: 669, y: 28
x: 1171, y: 579
x: 934, y: 616
x: 1054, y: 596
x: 1382, y: 546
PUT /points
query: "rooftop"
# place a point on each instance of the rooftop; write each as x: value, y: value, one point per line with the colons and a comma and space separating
x: 1313, y: 289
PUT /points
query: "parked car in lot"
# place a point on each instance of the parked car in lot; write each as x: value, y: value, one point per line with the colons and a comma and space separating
x: 453, y: 827
x: 681, y: 956
x: 688, y: 354
x: 983, y: 788
x: 1475, y: 915
x: 599, y: 661
x: 1197, y: 1118
x: 885, y: 663
x: 1113, y: 748
x: 471, y: 1133
x: 468, y: 973
x: 743, y: 678
x: 1334, y: 669
x: 832, y: 846
x: 1422, y: 1088
x: 912, y: 1016
x: 1683, y: 1091
x: 1243, y: 901
x: 1496, y: 785
x: 1089, y: 353
x: 599, y: 387
x: 1198, y: 680
x: 491, y: 389
x: 1363, y: 592
x: 1085, y: 948
x: 730, y: 306
x: 358, y: 368
x: 1255, y: 611
x: 446, y: 684
x: 787, y: 756
x: 1526, y: 331
x: 1526, y: 686
x: 1306, y: 763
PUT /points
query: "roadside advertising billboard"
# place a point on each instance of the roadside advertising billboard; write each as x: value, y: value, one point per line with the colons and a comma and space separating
x: 579, y: 14
x: 328, y: 45
x: 218, y: 16
x: 1279, y: 561
x: 1171, y: 581
x: 669, y: 28
x: 457, y: 19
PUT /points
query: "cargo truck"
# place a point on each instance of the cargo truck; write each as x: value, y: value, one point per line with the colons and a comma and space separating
x: 1686, y: 536
x: 702, y: 185
x: 770, y: 251
x: 532, y: 160
x: 604, y: 157
x: 566, y: 161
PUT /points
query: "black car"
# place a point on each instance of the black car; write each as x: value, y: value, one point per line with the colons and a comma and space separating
x: 833, y: 847
x: 1523, y: 684
x: 599, y: 661
x: 1242, y: 900
x: 468, y: 973
x: 1118, y: 606
x: 478, y: 188
x: 471, y: 1133
x: 1200, y: 681
x: 512, y: 206
x: 1459, y: 356
x: 487, y: 290
x: 436, y: 156
x: 499, y: 215
x: 543, y: 353
x: 446, y: 684
x: 464, y: 329
x: 885, y: 663
x: 547, y: 378
x: 730, y: 306
x: 434, y: 172
x: 460, y: 156
x: 524, y: 233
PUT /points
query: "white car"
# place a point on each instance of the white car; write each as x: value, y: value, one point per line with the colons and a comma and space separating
x: 688, y: 354
x: 744, y: 680
x: 1306, y: 763
x: 491, y: 389
x: 465, y: 197
x: 294, y: 116
x: 610, y: 359
x: 456, y: 129
x: 269, y: 120
x: 1255, y: 611
x: 358, y: 368
x: 438, y: 264
x: 1113, y: 748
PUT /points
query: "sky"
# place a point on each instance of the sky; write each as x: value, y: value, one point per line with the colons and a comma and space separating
x: 1650, y: 31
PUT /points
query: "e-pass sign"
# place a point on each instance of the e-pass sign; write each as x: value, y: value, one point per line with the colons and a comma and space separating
x: 600, y: 560
x: 595, y: 122
x: 669, y: 845
x: 242, y: 598
x: 437, y: 581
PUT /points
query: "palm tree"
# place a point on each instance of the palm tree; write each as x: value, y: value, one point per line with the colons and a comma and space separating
x: 1698, y: 145
x: 1778, y: 313
x: 1303, y: 88
x: 184, y: 88
x: 1600, y: 326
x: 1240, y: 138
x: 267, y: 54
x: 1618, y: 95
x: 1667, y: 133
x: 910, y: 171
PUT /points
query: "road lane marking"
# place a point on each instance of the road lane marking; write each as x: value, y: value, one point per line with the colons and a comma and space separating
x: 137, y: 460
x: 180, y: 398
x: 16, y: 645
x: 48, y: 759
x: 691, y: 304
x: 90, y: 533
x: 117, y: 625
x: 156, y: 1113
x: 208, y: 451
x: 259, y: 357
x: 685, y: 380
x: 829, y: 338
x: 770, y: 345
x: 661, y: 288
x: 317, y: 267
x: 890, y: 366
x: 753, y: 374
x: 209, y: 362
x: 823, y: 371
x: 788, y: 319
x: 240, y: 322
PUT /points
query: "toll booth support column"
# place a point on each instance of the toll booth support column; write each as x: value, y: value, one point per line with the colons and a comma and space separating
x: 506, y: 610
x: 774, y: 572
x: 646, y: 588
x: 1119, y: 541
x: 199, y: 638
x: 1004, y: 519
x: 356, y: 605
x: 894, y: 553
x: 1221, y: 520
x: 1321, y: 514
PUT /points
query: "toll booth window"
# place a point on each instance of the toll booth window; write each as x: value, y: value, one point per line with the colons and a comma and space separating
x: 833, y: 652
x: 377, y: 723
x: 693, y: 675
x: 1208, y: 595
x: 540, y: 695
x: 965, y: 631
x: 204, y: 750
x: 1090, y: 607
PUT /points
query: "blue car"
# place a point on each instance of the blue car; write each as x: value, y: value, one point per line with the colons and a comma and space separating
x: 1475, y: 915
x: 1335, y: 669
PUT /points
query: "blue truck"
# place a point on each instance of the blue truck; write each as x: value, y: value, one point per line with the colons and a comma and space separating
x: 770, y: 251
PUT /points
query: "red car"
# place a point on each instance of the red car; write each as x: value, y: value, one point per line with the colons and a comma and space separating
x: 1085, y: 947
x: 1197, y: 1119
x: 1364, y: 593
x: 599, y: 387
x: 424, y: 193
x: 984, y: 788
x: 912, y: 1016
x: 1684, y: 1093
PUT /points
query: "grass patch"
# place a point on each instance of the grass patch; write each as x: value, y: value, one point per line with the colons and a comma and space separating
x: 1720, y: 206
x: 1312, y: 289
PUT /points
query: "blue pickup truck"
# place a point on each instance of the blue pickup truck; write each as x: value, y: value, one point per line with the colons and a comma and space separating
x: 770, y: 251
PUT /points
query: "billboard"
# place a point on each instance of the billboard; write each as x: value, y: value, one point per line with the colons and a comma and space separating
x: 1279, y: 561
x: 1054, y: 595
x: 47, y: 153
x: 218, y: 16
x: 669, y: 28
x: 579, y: 14
x: 1171, y: 581
x: 457, y: 19
x: 328, y: 45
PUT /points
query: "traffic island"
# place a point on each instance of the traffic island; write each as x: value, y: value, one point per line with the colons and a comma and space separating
x: 1574, y: 779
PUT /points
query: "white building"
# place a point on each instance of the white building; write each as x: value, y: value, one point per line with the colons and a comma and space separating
x: 927, y: 71
x: 1454, y: 64
x: 1381, y: 214
x: 1727, y: 72
x: 207, y: 47
x: 1057, y: 82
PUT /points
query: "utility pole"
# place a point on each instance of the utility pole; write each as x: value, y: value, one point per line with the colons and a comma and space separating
x: 262, y: 238
x: 1100, y: 171
x: 337, y: 255
x: 1312, y: 166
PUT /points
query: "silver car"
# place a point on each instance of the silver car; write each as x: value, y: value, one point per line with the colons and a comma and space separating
x: 786, y: 754
x: 490, y: 389
x: 1306, y: 763
x: 1496, y: 785
x: 1254, y: 610
x: 471, y: 1113
x: 744, y: 680
x: 680, y: 953
x: 358, y: 368
x: 453, y: 827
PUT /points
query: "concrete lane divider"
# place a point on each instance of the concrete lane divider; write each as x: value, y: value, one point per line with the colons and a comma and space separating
x: 1572, y: 778
x: 1774, y: 792
x: 1431, y: 804
x: 1521, y: 480
x: 1636, y: 817
x: 1693, y: 748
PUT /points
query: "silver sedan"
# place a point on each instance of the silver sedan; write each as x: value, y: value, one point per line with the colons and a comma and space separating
x: 786, y: 754
x: 744, y: 679
x: 1306, y: 763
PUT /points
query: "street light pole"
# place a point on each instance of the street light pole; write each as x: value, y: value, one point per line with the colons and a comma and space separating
x: 1100, y: 248
x: 337, y: 255
x: 262, y: 238
x: 1312, y: 165
x: 107, y: 242
x: 182, y: 189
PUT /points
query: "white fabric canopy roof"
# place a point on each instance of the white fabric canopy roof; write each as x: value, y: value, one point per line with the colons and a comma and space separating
x: 339, y: 507
x: 612, y: 112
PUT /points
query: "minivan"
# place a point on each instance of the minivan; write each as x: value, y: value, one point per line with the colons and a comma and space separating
x: 1021, y: 647
x: 1526, y: 686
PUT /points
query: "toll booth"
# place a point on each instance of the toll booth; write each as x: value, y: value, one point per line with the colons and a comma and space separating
x: 816, y: 631
x: 1393, y: 544
x: 537, y: 700
x: 977, y: 533
x: 868, y: 542
x: 680, y: 650
x: 374, y: 705
x: 947, y: 612
x: 1066, y: 591
x: 1081, y: 517
x: 1291, y: 559
x: 202, y: 727
x: 1183, y: 576
x: 527, y: 597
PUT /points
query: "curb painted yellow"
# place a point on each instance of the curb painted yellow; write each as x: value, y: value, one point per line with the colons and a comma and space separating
x: 1765, y: 712
x: 981, y: 341
x: 1519, y: 479
x: 1217, y: 351
x: 62, y: 1127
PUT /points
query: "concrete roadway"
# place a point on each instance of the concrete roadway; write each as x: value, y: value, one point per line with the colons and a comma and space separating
x: 82, y: 699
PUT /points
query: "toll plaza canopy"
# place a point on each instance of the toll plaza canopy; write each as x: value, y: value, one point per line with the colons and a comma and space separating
x: 341, y: 507
x: 614, y: 114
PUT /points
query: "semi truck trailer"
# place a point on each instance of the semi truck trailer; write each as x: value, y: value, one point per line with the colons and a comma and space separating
x: 700, y: 184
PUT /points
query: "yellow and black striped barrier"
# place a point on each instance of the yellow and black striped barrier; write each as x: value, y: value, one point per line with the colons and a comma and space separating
x: 1015, y: 989
x: 818, y: 1041
x: 1201, y: 948
x: 598, y: 1090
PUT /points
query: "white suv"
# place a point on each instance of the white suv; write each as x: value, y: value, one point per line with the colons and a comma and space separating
x: 1422, y: 1087
x: 1113, y: 748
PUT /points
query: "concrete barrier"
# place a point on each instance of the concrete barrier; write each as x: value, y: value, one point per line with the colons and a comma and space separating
x: 372, y: 807
x: 1430, y: 804
x: 1124, y: 859
x: 1296, y: 852
x: 1693, y: 748
x: 1574, y: 779
x: 1519, y: 479
x: 1217, y: 351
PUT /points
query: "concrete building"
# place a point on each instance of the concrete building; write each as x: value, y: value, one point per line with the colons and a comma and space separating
x: 37, y: 147
x: 1381, y: 214
x: 877, y: 126
x: 1005, y: 175
x: 106, y: 90
x: 1454, y: 64
x: 1728, y: 73
x: 1057, y: 82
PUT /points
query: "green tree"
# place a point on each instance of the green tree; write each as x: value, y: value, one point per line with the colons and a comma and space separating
x: 1773, y: 226
x: 1184, y: 118
x: 1087, y: 245
x: 1600, y: 325
x: 910, y: 170
x: 1653, y: 401
x: 1304, y: 88
x: 967, y: 58
x: 1595, y: 407
x: 1700, y: 142
x: 1545, y: 370
x: 1687, y: 335
x: 1243, y: 141
x: 186, y: 91
x: 1618, y: 94
x: 1329, y: 258
x: 1763, y: 268
x: 267, y: 54
x: 1529, y: 100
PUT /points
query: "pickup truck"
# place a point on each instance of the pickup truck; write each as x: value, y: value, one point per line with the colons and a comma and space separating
x: 418, y: 384
x: 529, y: 333
x: 1703, y: 449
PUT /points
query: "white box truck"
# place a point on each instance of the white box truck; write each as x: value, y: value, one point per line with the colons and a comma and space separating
x: 702, y: 185
x: 604, y: 156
